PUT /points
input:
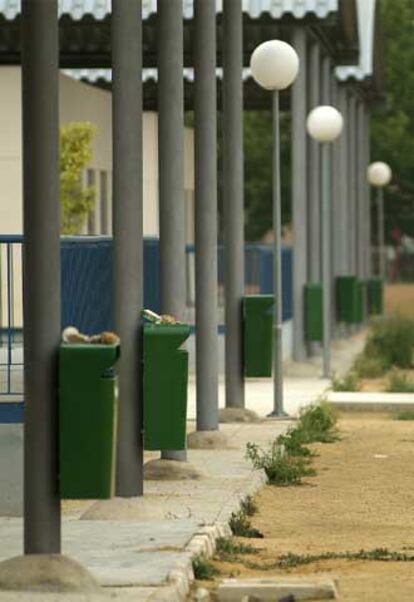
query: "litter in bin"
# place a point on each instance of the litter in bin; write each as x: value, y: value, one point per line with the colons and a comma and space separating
x: 151, y: 316
x: 72, y: 335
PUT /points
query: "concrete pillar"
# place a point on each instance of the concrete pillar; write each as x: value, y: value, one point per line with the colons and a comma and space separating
x: 299, y: 193
x: 368, y: 251
x: 233, y: 199
x: 341, y: 219
x: 205, y: 141
x: 127, y: 243
x: 361, y: 190
x: 171, y: 164
x: 41, y: 274
x: 352, y: 232
x: 314, y: 170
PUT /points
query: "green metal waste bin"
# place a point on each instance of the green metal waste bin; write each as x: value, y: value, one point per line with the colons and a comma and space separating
x: 375, y: 293
x: 361, y: 301
x: 87, y: 420
x: 257, y: 340
x: 347, y: 299
x: 165, y: 386
x: 313, y: 312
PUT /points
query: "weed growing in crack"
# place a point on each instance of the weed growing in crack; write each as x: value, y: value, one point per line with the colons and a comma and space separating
x: 203, y: 568
x: 241, y: 526
x: 281, y: 468
x: 229, y: 550
x: 248, y: 505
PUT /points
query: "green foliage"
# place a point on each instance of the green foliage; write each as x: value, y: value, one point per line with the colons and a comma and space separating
x: 393, y: 125
x: 203, y: 569
x: 227, y: 549
x: 75, y: 155
x: 317, y: 422
x: 248, y: 505
x: 258, y: 146
x: 391, y: 340
x: 292, y: 443
x: 349, y: 382
x: 398, y: 382
x: 241, y: 526
x: 407, y: 415
x: 280, y: 468
x: 369, y: 367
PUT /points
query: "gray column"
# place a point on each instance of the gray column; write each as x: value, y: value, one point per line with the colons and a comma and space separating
x: 171, y: 163
x: 299, y: 194
x: 205, y: 147
x: 41, y: 274
x: 341, y: 220
x: 368, y: 252
x: 314, y: 171
x: 352, y: 240
x: 361, y: 189
x: 233, y: 201
x: 127, y: 238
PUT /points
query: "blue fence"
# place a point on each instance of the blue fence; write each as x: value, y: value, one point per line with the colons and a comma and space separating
x: 86, y: 264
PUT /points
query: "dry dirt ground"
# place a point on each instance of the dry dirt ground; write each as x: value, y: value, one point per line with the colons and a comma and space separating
x: 399, y: 298
x: 361, y: 498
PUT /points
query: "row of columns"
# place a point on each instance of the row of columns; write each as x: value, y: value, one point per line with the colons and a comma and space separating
x: 41, y: 221
x: 350, y: 251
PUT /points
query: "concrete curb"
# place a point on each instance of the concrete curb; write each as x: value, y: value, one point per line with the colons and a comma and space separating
x: 179, y: 580
x: 371, y: 402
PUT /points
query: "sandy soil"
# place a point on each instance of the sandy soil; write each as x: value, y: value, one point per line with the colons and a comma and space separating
x: 399, y: 298
x: 362, y: 498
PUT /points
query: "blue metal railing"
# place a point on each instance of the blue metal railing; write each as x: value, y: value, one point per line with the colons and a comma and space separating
x: 86, y: 277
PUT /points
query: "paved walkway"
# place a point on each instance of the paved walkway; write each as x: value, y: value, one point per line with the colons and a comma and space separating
x: 148, y: 557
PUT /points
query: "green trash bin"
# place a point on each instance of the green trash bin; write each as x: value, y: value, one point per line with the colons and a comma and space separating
x: 165, y: 386
x: 87, y: 420
x: 257, y: 340
x: 375, y: 293
x: 313, y: 312
x: 361, y: 304
x: 347, y: 303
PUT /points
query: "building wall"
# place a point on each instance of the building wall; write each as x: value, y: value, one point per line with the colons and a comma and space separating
x: 77, y: 102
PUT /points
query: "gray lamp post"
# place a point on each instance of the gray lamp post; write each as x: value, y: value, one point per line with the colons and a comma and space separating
x: 379, y: 174
x: 275, y: 65
x: 325, y: 124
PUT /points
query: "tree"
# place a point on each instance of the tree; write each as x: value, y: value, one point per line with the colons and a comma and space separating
x: 392, y: 130
x: 75, y: 155
x: 258, y: 148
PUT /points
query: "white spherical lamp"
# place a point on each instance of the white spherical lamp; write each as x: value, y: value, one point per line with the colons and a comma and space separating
x: 379, y: 174
x: 324, y: 123
x: 274, y: 65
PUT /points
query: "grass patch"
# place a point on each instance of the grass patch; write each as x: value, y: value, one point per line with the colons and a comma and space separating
x: 249, y: 506
x: 229, y: 550
x: 349, y: 382
x: 317, y: 422
x: 293, y: 445
x: 280, y: 468
x: 369, y: 367
x: 290, y: 560
x: 390, y: 343
x: 241, y: 526
x: 398, y: 382
x: 407, y: 415
x: 203, y: 568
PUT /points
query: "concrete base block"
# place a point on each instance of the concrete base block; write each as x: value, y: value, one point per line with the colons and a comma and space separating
x: 146, y: 508
x: 228, y: 415
x: 207, y: 440
x: 269, y: 590
x: 171, y: 470
x: 11, y: 469
x: 46, y: 573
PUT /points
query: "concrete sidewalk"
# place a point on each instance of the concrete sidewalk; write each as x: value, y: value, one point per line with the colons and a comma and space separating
x: 141, y: 560
x: 149, y: 557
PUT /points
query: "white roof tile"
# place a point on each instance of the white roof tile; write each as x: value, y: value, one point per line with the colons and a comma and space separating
x: 100, y: 8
